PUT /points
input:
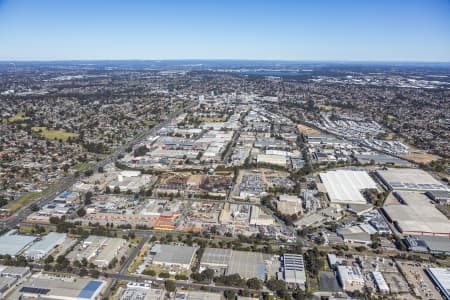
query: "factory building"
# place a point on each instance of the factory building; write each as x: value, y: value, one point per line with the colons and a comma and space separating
x: 410, y: 180
x: 45, y: 246
x: 414, y: 214
x: 350, y: 278
x: 293, y: 270
x: 345, y: 186
x: 441, y: 279
x: 173, y: 255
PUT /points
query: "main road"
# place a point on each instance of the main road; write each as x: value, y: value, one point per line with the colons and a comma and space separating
x: 67, y: 182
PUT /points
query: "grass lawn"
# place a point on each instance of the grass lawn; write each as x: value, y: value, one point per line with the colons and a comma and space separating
x: 391, y: 117
x: 54, y: 134
x: 216, y: 119
x: 82, y: 166
x: 23, y: 200
x: 20, y: 116
x: 150, y: 123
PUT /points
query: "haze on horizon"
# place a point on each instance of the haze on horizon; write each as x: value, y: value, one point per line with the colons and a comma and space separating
x: 263, y: 30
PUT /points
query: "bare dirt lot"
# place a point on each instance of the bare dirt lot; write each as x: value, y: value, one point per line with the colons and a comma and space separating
x: 307, y: 130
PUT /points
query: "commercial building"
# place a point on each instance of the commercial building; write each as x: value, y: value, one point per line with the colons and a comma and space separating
x: 173, y: 255
x: 441, y: 279
x: 61, y: 288
x: 415, y: 215
x: 12, y: 243
x: 44, y: 246
x: 410, y: 180
x: 293, y: 270
x: 345, y: 186
x: 350, y: 278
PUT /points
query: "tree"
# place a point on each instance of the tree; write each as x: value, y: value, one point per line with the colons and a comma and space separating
x: 49, y: 259
x: 164, y: 275
x: 83, y: 272
x: 254, y: 283
x: 88, y: 197
x: 170, y: 286
x: 95, y: 273
x: 230, y: 295
x: 149, y: 272
x: 116, y: 190
x: 81, y: 212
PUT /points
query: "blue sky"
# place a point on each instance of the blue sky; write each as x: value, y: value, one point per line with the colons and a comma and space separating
x: 378, y: 30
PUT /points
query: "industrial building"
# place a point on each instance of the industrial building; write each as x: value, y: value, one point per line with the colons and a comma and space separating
x: 293, y: 270
x: 9, y: 277
x: 410, y: 180
x: 380, y: 282
x: 345, y: 186
x: 289, y: 204
x: 226, y: 261
x: 44, y: 246
x: 59, y: 287
x: 216, y: 259
x: 259, y: 217
x: 441, y: 279
x: 197, y: 295
x: 12, y: 243
x: 442, y: 197
x: 415, y: 215
x: 141, y: 291
x: 430, y: 244
x: 100, y: 251
x: 350, y: 278
x: 179, y: 256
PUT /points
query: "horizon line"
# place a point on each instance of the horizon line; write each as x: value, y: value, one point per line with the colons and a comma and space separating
x: 222, y: 59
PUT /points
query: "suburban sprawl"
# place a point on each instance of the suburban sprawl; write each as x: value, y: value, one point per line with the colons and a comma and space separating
x: 224, y: 180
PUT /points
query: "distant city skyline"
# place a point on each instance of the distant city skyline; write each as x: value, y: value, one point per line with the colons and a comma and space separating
x: 322, y: 30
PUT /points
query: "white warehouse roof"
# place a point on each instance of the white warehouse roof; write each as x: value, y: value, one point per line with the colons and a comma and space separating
x: 344, y: 186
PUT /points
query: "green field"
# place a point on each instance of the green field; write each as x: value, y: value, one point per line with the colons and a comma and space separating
x: 150, y: 123
x: 391, y: 117
x: 211, y: 119
x: 82, y: 166
x: 54, y: 134
x: 20, y: 116
x: 23, y: 200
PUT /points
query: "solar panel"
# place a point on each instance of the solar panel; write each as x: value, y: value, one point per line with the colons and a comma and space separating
x: 89, y: 289
x: 33, y: 290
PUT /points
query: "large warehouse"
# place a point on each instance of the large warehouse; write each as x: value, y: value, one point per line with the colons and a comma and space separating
x: 294, y: 270
x: 441, y: 278
x: 226, y: 261
x: 12, y: 243
x: 173, y: 255
x: 52, y: 287
x: 43, y: 247
x: 345, y: 186
x: 415, y: 214
x: 410, y: 179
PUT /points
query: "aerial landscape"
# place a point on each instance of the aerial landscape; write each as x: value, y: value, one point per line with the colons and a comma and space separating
x: 163, y: 162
